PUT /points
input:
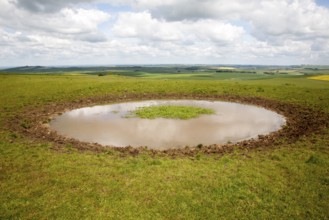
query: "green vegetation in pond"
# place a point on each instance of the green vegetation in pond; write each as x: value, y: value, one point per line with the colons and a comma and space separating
x: 171, y: 111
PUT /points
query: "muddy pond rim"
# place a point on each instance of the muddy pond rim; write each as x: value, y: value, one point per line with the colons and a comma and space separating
x: 301, y: 121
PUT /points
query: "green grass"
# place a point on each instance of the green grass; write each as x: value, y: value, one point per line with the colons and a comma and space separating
x: 287, y: 182
x: 171, y: 111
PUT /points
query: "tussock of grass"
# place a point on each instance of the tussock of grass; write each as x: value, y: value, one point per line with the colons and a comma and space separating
x: 172, y: 111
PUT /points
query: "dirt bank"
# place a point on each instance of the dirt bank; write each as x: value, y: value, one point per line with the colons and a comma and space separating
x: 301, y: 121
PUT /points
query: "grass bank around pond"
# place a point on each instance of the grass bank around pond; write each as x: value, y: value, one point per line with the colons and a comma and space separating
x: 290, y: 181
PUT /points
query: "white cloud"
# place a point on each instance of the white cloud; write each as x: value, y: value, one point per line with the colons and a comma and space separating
x: 297, y: 19
x: 144, y: 27
x: 271, y: 17
x: 157, y: 31
x: 67, y: 21
x: 46, y: 6
x: 195, y: 9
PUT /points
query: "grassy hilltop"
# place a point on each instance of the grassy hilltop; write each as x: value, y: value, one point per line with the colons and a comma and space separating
x: 42, y: 181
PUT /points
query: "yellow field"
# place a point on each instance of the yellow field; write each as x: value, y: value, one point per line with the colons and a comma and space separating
x: 324, y: 77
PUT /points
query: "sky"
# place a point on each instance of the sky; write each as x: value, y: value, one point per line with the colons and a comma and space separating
x: 110, y: 32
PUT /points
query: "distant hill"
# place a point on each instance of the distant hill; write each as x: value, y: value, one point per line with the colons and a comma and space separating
x: 27, y: 69
x: 49, y: 69
x: 141, y: 70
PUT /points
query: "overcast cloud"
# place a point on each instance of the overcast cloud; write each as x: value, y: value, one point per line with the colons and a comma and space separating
x: 75, y: 32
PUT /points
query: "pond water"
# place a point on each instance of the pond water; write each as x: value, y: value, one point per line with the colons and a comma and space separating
x: 107, y: 125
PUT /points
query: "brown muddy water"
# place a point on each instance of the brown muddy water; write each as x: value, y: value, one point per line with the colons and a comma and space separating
x: 107, y: 125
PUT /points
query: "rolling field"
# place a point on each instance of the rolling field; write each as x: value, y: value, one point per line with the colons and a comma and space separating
x: 41, y: 181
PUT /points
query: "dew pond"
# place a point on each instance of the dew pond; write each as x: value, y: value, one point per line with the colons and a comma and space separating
x: 108, y: 125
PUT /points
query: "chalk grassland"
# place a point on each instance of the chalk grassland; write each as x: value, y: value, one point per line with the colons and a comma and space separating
x: 290, y: 181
